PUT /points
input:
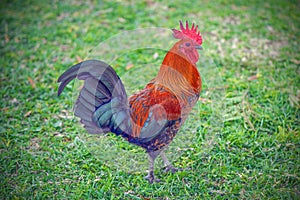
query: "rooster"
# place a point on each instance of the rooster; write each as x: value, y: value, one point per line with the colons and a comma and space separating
x: 151, y: 117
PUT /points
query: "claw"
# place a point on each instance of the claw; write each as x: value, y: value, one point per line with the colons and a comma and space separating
x: 151, y: 179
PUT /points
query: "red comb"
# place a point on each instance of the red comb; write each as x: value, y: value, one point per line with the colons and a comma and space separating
x: 187, y: 32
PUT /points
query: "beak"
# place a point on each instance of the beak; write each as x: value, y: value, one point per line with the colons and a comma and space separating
x: 199, y: 47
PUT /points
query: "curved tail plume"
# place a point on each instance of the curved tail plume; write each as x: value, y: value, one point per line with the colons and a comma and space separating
x: 102, y: 105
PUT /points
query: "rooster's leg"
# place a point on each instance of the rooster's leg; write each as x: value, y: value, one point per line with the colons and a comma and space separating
x: 151, y: 157
x: 168, y: 164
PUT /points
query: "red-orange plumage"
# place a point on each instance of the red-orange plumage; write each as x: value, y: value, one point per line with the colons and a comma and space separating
x: 163, y: 103
x: 174, y: 91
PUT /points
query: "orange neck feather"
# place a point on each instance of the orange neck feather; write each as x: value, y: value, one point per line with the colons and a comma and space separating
x: 179, y: 74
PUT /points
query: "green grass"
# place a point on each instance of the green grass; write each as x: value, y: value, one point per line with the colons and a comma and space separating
x: 245, y: 143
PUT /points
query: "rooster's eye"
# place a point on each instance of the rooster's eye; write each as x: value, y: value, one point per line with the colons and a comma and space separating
x: 187, y: 44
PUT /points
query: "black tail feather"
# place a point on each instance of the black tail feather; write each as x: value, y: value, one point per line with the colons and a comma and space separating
x: 102, y: 104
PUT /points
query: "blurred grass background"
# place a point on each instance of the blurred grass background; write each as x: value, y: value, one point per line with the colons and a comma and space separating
x: 253, y: 44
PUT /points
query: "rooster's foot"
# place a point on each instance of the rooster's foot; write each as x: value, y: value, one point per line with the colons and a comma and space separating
x: 151, y: 179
